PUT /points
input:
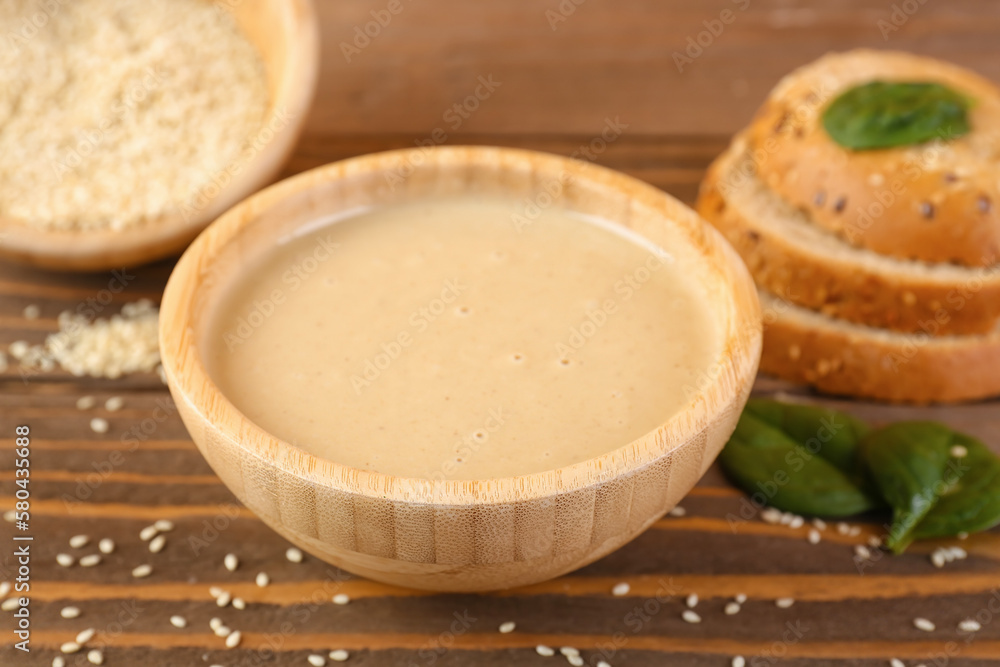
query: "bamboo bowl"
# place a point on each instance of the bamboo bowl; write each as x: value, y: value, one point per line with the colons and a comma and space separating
x: 286, y: 35
x: 459, y: 535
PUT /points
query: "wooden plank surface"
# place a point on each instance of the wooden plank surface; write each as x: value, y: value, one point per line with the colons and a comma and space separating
x: 558, y: 87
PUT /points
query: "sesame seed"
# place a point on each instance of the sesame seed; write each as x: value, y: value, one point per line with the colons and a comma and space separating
x: 85, y: 402
x: 574, y: 660
x: 923, y: 624
x: 739, y: 661
x: 32, y: 312
x: 215, y: 623
x: 814, y: 536
x: 958, y: 452
x: 222, y: 631
x: 142, y: 571
x: 875, y: 542
x: 90, y: 560
x: 959, y: 553
x: 239, y: 603
x: 603, y: 663
x: 79, y: 541
x: 9, y: 516
x: 896, y: 662
x: 569, y: 650
x: 970, y: 625
x: 163, y: 525
x: 231, y: 562
x: 293, y: 554
x: 341, y: 598
x: 732, y: 608
x: 692, y: 600
x: 507, y: 627
x: 861, y: 551
x: 544, y: 651
x: 224, y: 599
x: 58, y: 661
x: 114, y: 404
x: 740, y: 598
x: 786, y: 518
x: 819, y: 523
x: 233, y: 640
x: 784, y: 603
x: 938, y: 558
x: 262, y: 579
x: 5, y: 587
x: 157, y: 543
x: 621, y: 589
x: 98, y: 425
x: 106, y: 546
x: 69, y: 612
x: 148, y: 533
x: 678, y: 511
x: 10, y: 604
x: 70, y: 647
x: 65, y: 560
x: 843, y: 528
x: 178, y: 621
x: 797, y: 522
x: 339, y: 655
x: 963, y: 535
x: 85, y: 636
x: 95, y: 657
x: 215, y: 591
x: 691, y: 616
x: 316, y: 660
x: 770, y: 515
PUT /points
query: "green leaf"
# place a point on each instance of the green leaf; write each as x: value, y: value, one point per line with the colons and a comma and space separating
x: 798, y: 458
x: 908, y: 461
x: 882, y: 114
x: 971, y: 499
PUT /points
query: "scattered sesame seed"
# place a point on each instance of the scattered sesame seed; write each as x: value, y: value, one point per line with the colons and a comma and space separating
x: 854, y: 531
x: 79, y: 541
x: 293, y: 554
x: 163, y: 525
x: 231, y: 562
x: 678, y: 511
x: 923, y: 624
x: 958, y: 452
x: 970, y: 625
x: 339, y: 655
x: 959, y: 553
x: 784, y: 603
x: 739, y: 661
x: 215, y: 623
x: 262, y: 579
x: 215, y: 591
x: 142, y: 571
x: 620, y: 589
x: 9, y: 516
x: 963, y: 535
x: 224, y: 599
x: 796, y: 522
x: 157, y: 543
x: 574, y: 660
x: 114, y: 404
x: 98, y: 425
x: 106, y: 546
x: 732, y: 608
x: 69, y: 612
x: 316, y: 660
x: 692, y: 600
x: 95, y: 657
x: 786, y: 518
x: 843, y: 528
x: 178, y: 621
x: 603, y: 663
x: 58, y: 661
x: 10, y: 604
x: 239, y: 603
x: 691, y: 616
x: 222, y: 631
x: 233, y: 640
x: 90, y: 560
x: 65, y: 560
x: 544, y: 650
x: 85, y: 636
x: 896, y: 662
x: 569, y: 650
x: 507, y: 627
x: 819, y: 523
x: 85, y: 402
x: 861, y: 551
x: 70, y: 647
x: 875, y: 542
x: 814, y: 536
x: 148, y: 533
x: 5, y: 587
x: 32, y: 312
x: 938, y: 558
x: 341, y: 598
x: 771, y: 515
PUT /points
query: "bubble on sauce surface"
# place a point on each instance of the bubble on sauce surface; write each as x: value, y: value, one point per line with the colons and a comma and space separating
x: 463, y: 311
x: 517, y: 357
x: 480, y: 436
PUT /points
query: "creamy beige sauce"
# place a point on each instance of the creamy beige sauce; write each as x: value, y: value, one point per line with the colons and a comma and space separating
x: 439, y: 339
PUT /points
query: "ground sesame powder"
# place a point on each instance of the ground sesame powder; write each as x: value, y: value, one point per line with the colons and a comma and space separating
x: 119, y: 112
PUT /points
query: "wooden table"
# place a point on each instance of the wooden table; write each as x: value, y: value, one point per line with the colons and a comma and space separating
x: 558, y: 87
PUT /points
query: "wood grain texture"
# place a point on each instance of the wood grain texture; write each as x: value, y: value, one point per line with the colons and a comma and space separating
x: 609, y: 58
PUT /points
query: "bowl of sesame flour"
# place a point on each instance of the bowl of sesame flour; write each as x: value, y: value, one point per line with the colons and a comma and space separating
x: 126, y: 126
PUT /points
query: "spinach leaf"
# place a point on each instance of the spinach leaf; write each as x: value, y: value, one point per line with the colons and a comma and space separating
x: 798, y: 458
x: 908, y: 462
x: 882, y: 114
x: 970, y: 501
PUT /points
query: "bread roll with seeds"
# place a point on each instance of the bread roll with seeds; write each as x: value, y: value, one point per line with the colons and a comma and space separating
x: 936, y: 202
x: 816, y: 269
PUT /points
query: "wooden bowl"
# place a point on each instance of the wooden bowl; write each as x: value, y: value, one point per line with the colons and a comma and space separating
x: 459, y: 535
x: 286, y: 34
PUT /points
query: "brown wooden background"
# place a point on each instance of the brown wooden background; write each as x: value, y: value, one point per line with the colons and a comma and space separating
x: 557, y: 88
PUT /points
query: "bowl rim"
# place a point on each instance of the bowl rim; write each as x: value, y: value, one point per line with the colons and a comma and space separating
x: 101, y: 249
x: 190, y: 382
